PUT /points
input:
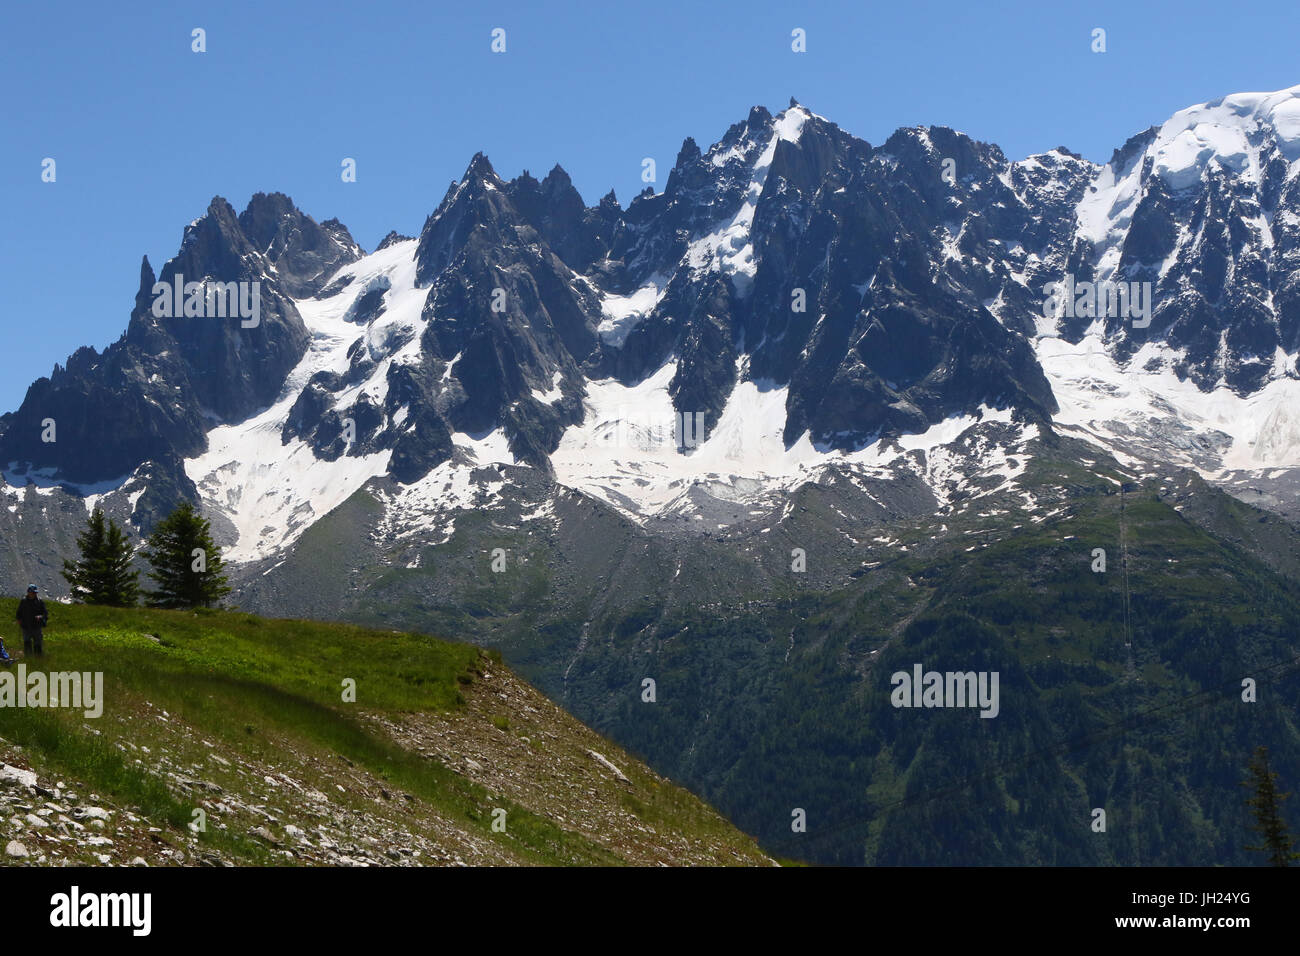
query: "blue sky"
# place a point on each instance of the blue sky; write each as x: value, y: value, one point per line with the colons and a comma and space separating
x: 145, y: 132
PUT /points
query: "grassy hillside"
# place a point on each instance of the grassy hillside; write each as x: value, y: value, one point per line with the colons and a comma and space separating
x: 244, y: 718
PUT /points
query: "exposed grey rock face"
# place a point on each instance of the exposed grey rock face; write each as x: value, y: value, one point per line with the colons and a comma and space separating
x: 1222, y: 253
x: 393, y: 237
x: 305, y: 254
x: 153, y: 394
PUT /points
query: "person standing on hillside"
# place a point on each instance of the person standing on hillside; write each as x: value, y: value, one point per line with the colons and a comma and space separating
x: 31, y: 617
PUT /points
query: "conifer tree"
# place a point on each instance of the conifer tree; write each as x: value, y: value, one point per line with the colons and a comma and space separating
x: 103, y: 573
x: 1266, y: 803
x: 187, y: 565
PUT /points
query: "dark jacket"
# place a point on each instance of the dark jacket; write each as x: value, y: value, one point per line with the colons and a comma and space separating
x: 31, y: 613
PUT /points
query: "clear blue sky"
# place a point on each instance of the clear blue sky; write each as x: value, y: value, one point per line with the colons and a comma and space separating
x: 145, y: 132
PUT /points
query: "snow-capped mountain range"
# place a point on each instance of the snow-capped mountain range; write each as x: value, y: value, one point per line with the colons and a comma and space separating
x: 795, y: 302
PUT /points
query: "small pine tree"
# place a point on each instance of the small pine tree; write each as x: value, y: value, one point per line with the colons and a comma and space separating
x: 187, y: 566
x: 103, y: 574
x: 1265, y: 802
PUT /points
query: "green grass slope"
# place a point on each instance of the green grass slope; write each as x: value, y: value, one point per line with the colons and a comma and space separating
x: 442, y: 757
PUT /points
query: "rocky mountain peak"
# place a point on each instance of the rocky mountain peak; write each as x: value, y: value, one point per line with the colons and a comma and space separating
x: 867, y: 292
